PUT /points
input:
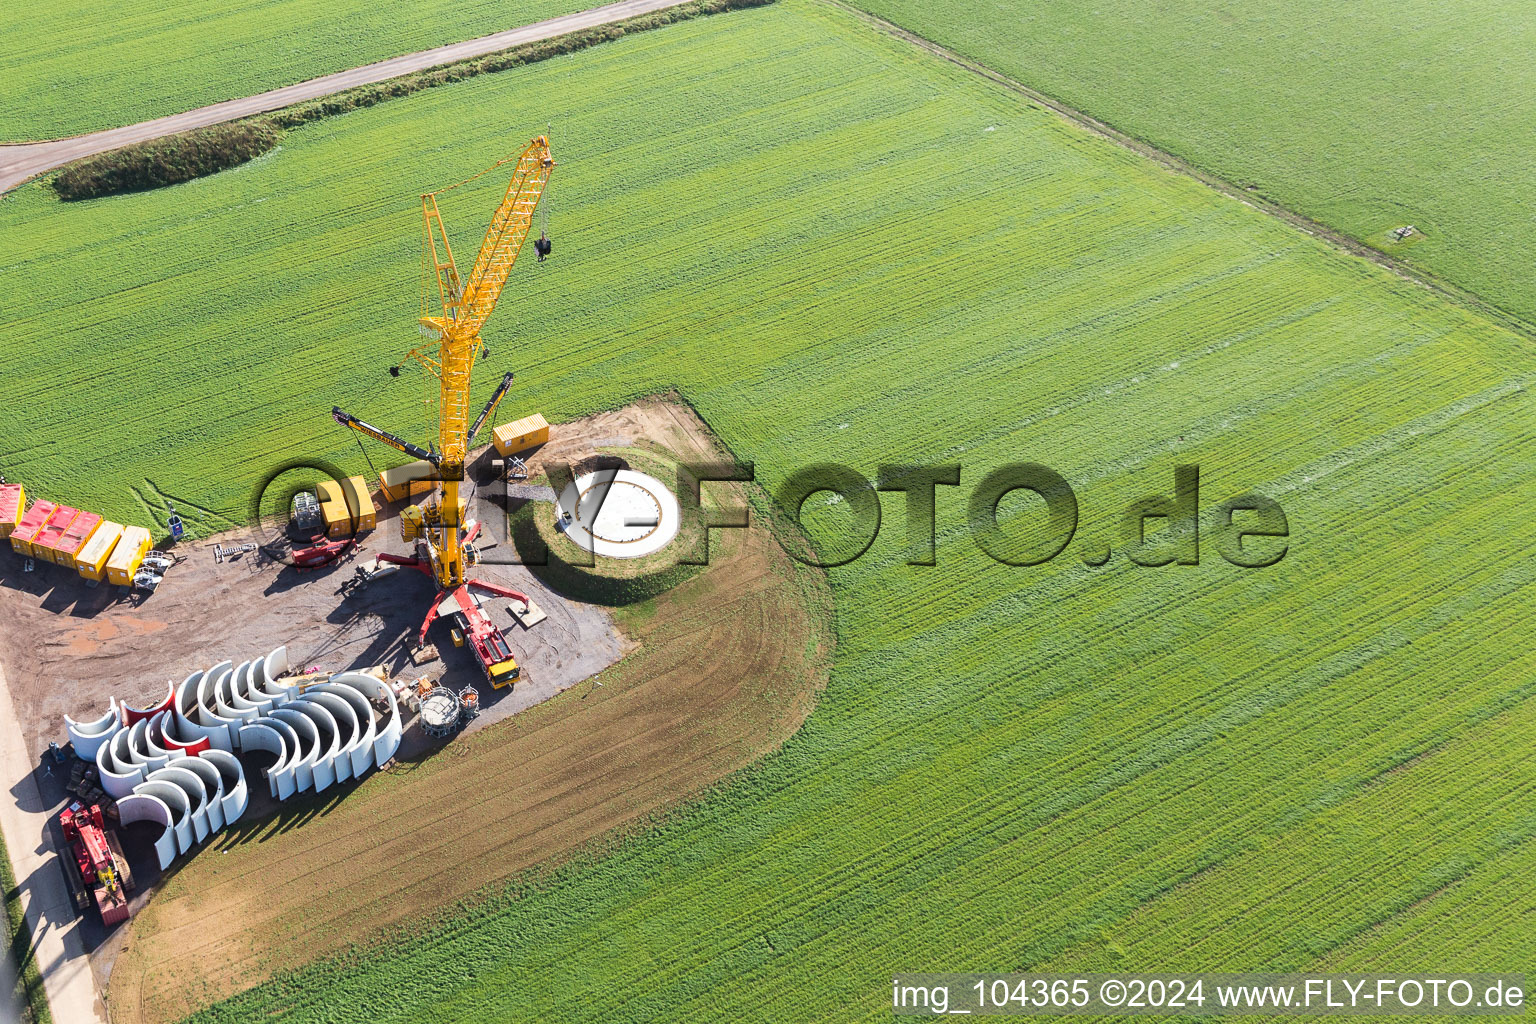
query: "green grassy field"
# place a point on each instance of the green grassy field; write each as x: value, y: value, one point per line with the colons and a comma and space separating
x: 840, y: 248
x: 1364, y: 116
x: 84, y: 67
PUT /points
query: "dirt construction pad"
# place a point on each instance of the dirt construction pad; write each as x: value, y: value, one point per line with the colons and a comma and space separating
x: 714, y: 673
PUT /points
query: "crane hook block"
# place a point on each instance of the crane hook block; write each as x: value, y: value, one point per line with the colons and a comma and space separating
x: 542, y: 246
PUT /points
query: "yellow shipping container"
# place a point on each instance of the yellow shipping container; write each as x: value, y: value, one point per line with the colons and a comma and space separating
x: 333, y: 510
x: 91, y: 561
x: 367, y: 514
x: 405, y: 481
x: 520, y: 435
x: 347, y: 507
x: 128, y: 555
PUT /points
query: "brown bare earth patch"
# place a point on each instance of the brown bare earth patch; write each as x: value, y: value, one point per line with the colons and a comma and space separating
x: 719, y: 670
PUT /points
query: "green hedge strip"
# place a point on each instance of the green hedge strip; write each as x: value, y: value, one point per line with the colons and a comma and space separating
x: 166, y: 161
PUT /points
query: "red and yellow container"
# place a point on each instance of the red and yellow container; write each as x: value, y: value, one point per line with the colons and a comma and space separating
x: 13, y: 502
x: 128, y: 555
x: 73, y: 541
x: 29, y: 525
x: 45, y: 544
x: 91, y: 560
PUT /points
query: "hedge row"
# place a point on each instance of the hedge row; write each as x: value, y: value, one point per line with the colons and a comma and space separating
x: 166, y: 161
x: 178, y: 158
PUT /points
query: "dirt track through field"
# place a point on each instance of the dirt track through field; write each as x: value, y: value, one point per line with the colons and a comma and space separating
x: 727, y: 667
x: 23, y: 161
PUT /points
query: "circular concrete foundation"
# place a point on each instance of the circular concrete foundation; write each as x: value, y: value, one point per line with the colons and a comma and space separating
x: 619, y: 513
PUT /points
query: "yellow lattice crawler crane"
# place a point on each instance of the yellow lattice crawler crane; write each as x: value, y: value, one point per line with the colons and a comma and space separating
x: 443, y: 549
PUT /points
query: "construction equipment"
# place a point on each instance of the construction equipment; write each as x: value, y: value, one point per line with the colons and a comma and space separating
x: 527, y: 613
x: 444, y: 540
x: 304, y: 511
x: 97, y: 860
x: 152, y: 569
x: 320, y: 552
x: 469, y: 704
x: 159, y: 561
x: 369, y: 571
x: 222, y: 553
x: 439, y: 716
x: 476, y: 629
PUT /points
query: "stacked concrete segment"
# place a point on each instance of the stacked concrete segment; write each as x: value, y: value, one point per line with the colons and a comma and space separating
x: 175, y: 762
x: 212, y: 782
x: 233, y: 798
x: 146, y: 807
x: 387, y: 733
x: 88, y: 737
x: 118, y: 771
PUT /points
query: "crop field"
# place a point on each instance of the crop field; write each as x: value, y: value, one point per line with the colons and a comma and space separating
x: 840, y: 248
x: 1363, y: 116
x: 73, y: 68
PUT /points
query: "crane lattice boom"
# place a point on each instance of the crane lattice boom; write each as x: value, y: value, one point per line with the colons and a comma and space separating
x: 465, y: 307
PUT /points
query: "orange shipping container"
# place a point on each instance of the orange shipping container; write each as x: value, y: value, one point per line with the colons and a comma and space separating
x: 74, y: 539
x: 91, y: 561
x: 47, y: 539
x: 13, y: 502
x: 520, y: 435
x: 30, y: 524
x: 407, y: 481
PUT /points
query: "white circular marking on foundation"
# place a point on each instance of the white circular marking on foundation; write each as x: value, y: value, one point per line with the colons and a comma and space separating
x: 619, y: 513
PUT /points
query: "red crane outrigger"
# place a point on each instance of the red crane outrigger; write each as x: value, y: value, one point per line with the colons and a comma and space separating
x: 484, y: 636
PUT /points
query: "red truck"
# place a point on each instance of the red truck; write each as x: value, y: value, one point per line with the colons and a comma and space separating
x: 97, y: 861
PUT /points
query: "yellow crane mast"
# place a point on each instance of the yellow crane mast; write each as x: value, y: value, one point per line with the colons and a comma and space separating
x: 464, y: 310
x: 455, y: 333
x: 464, y: 305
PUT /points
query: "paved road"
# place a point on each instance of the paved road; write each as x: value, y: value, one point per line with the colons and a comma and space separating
x: 27, y: 160
x: 50, y: 915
